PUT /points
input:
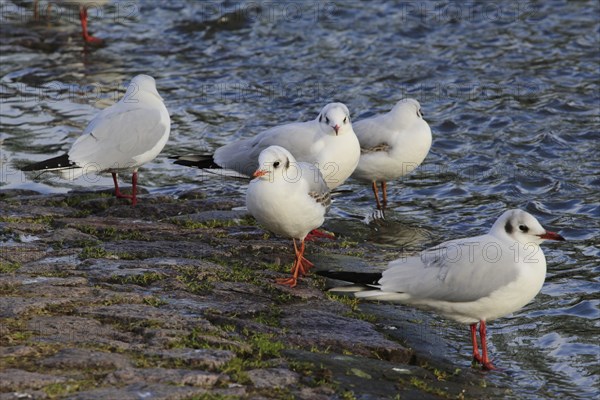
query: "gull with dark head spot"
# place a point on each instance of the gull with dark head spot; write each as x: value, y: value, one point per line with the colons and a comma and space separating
x: 392, y: 145
x: 289, y: 198
x: 471, y: 280
x: 121, y: 138
x: 328, y: 142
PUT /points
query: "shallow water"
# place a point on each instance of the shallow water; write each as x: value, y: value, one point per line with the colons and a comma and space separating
x: 510, y: 90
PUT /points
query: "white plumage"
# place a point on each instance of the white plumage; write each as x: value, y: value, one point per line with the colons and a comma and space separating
x: 121, y: 138
x: 289, y: 198
x: 392, y: 145
x: 327, y: 142
x: 475, y: 279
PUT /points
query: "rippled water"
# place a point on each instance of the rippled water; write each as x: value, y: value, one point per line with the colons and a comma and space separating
x: 510, y: 90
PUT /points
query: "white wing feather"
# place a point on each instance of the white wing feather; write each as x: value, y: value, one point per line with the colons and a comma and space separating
x: 242, y: 155
x: 119, y: 137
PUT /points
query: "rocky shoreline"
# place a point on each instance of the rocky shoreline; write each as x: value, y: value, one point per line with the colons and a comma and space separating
x: 175, y: 299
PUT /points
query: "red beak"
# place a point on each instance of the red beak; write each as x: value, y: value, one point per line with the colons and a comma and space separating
x: 336, y: 129
x: 259, y: 172
x: 552, y: 236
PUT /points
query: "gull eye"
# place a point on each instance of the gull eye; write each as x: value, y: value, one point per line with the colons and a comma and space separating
x: 345, y: 119
x: 419, y: 114
x: 523, y: 228
x: 327, y: 120
x: 276, y: 164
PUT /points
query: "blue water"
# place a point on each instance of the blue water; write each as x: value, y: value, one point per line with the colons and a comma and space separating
x: 510, y: 90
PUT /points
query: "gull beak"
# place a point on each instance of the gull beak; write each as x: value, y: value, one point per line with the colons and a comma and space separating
x: 259, y: 172
x: 336, y: 129
x: 552, y: 236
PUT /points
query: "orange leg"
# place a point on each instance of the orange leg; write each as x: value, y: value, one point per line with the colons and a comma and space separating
x: 300, y: 266
x: 384, y: 190
x: 376, y: 193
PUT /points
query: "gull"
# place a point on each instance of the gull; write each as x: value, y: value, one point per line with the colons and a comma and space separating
x: 471, y: 280
x: 121, y: 138
x: 392, y: 145
x: 289, y: 198
x: 328, y: 142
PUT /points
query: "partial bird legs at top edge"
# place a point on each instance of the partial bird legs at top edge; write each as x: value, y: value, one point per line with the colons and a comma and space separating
x: 83, y: 16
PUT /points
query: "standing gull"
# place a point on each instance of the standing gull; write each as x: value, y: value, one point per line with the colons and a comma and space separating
x: 392, y: 145
x: 471, y: 280
x: 289, y: 198
x: 329, y: 142
x: 121, y: 138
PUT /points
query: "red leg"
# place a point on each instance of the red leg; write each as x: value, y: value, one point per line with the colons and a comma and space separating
x: 134, y: 188
x: 384, y: 190
x: 118, y: 194
x: 315, y: 233
x: 476, y: 355
x: 485, y: 362
x: 84, y: 31
x: 376, y: 192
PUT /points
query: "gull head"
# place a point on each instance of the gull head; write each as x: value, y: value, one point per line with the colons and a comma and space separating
x: 522, y: 227
x: 407, y: 110
x: 334, y: 119
x: 274, y: 163
x: 143, y: 83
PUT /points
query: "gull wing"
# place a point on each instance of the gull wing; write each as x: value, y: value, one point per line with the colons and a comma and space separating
x: 119, y: 135
x: 298, y: 138
x: 455, y: 271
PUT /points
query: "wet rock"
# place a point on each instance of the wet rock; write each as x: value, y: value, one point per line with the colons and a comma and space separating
x: 11, y: 307
x: 81, y: 358
x: 68, y: 236
x: 77, y: 330
x: 24, y: 395
x: 272, y: 378
x: 57, y: 262
x: 22, y: 253
x: 328, y: 330
x: 17, y: 351
x: 163, y: 375
x: 213, y: 215
x: 141, y: 391
x: 199, y: 358
x: 176, y: 283
x: 135, y: 313
x: 159, y: 248
x: 8, y: 193
x: 16, y: 379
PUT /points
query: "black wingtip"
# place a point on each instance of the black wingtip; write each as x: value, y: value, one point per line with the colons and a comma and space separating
x: 202, y: 161
x: 52, y: 163
x: 363, y: 278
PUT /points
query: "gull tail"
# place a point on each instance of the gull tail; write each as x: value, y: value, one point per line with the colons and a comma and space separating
x: 52, y: 164
x: 361, y: 278
x: 202, y: 161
